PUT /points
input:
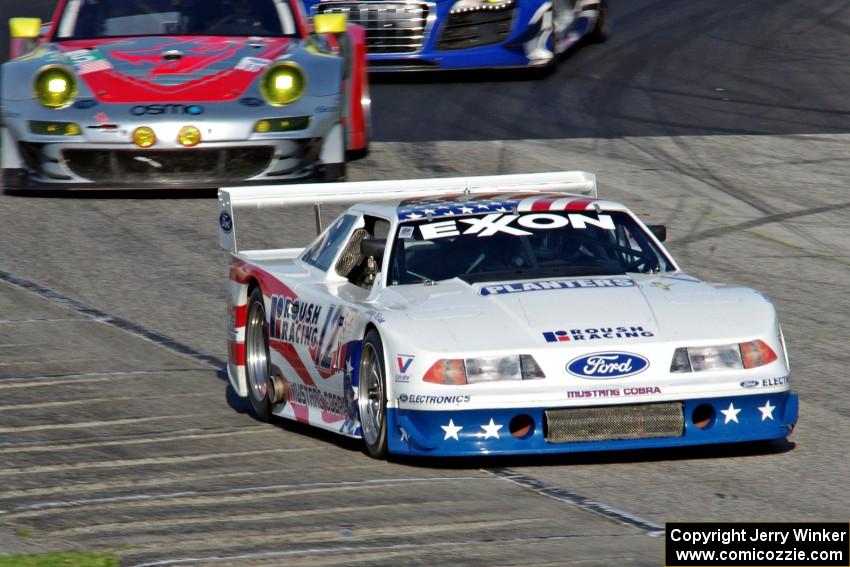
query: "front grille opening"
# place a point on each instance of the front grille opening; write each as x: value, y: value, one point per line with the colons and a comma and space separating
x: 195, y: 166
x: 391, y: 27
x: 610, y: 423
x: 476, y: 28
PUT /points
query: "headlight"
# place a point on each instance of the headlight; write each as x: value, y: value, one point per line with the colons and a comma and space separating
x: 55, y: 87
x: 479, y: 5
x: 751, y: 354
x: 283, y: 84
x: 457, y: 371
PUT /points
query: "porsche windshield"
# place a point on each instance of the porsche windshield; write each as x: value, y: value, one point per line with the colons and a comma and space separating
x: 91, y: 19
x: 496, y: 246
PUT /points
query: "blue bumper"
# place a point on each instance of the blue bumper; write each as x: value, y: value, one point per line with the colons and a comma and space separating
x: 507, y: 53
x: 477, y: 432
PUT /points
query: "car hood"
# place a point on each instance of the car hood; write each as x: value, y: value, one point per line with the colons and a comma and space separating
x: 454, y: 316
x: 169, y: 69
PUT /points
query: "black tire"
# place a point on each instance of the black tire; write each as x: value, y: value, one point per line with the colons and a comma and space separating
x: 14, y: 181
x: 333, y: 172
x: 257, y: 356
x: 372, y: 396
x: 602, y: 29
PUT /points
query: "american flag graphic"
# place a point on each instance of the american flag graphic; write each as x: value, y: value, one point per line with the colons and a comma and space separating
x: 92, y: 66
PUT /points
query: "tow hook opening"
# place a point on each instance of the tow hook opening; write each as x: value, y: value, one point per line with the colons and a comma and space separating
x: 703, y: 416
x: 522, y: 426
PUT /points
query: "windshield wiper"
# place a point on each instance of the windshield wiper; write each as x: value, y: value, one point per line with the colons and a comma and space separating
x: 534, y: 273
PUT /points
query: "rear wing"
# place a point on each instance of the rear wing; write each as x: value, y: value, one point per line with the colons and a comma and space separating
x: 259, y: 197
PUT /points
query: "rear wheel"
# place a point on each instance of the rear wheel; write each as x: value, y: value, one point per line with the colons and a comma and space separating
x: 372, y: 396
x: 257, y: 356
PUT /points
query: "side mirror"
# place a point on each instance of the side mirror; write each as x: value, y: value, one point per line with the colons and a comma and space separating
x: 374, y: 248
x: 659, y: 230
x: 24, y: 28
x: 329, y: 23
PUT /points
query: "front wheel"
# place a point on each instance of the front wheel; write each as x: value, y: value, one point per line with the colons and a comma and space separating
x: 602, y: 29
x: 257, y: 356
x: 372, y: 396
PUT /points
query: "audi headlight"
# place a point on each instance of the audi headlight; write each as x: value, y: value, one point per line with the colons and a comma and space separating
x: 283, y: 84
x: 456, y: 371
x: 462, y: 6
x: 55, y: 87
x: 751, y: 354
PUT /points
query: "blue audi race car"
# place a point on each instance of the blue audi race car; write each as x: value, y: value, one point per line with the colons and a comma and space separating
x: 470, y: 34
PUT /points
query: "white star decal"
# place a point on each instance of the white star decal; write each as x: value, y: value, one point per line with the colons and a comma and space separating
x: 451, y: 430
x: 501, y: 210
x: 490, y: 430
x: 767, y: 411
x: 730, y: 414
x: 429, y: 211
x: 348, y: 368
x: 414, y: 216
x: 482, y: 206
x: 405, y: 436
x: 466, y: 210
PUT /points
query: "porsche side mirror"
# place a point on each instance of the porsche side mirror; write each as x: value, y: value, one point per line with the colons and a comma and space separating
x: 24, y: 28
x: 329, y: 23
x: 373, y: 248
x: 659, y: 230
x: 23, y: 35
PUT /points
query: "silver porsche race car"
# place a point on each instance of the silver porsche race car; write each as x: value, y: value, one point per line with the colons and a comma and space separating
x: 181, y: 93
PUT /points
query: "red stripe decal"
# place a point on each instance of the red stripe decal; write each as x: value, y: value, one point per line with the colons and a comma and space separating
x: 240, y: 315
x: 578, y: 205
x: 302, y: 412
x: 237, y: 353
x: 542, y: 205
x: 288, y: 352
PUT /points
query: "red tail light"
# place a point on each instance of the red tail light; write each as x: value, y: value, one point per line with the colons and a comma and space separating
x: 756, y: 353
x: 446, y: 371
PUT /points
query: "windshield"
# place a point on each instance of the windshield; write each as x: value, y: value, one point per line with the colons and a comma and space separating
x: 91, y: 19
x: 498, y: 246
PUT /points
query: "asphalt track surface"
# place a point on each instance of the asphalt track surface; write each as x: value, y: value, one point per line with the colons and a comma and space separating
x: 727, y: 121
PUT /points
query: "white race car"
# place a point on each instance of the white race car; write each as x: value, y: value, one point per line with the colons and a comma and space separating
x: 496, y: 315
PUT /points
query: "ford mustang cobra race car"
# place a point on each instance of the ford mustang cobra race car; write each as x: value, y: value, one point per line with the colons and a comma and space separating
x: 185, y: 93
x: 456, y: 34
x: 496, y: 315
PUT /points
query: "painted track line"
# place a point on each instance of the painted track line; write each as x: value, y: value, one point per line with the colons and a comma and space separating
x: 349, y: 549
x: 243, y: 490
x: 557, y: 493
x: 119, y: 323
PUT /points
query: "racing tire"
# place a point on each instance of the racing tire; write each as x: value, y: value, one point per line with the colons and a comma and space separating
x: 257, y: 356
x: 372, y: 396
x: 14, y: 181
x: 602, y: 29
x: 333, y: 172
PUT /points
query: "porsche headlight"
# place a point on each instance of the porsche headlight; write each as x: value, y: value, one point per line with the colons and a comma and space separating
x: 283, y: 84
x: 484, y: 369
x: 462, y: 6
x: 55, y: 87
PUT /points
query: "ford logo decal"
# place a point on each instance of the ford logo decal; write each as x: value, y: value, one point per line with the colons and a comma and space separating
x: 749, y: 383
x: 606, y: 365
x: 225, y: 222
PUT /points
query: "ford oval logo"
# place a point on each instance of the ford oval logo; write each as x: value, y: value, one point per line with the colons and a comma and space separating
x: 750, y: 383
x: 606, y: 365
